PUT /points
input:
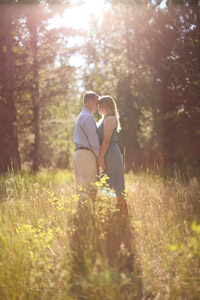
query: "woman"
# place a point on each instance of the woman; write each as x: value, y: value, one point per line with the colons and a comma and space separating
x: 110, y: 157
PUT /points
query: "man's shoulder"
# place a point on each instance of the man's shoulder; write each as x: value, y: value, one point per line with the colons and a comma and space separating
x: 85, y: 113
x: 85, y: 117
x: 88, y: 118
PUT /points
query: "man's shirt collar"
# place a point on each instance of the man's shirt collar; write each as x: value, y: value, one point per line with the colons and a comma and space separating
x: 85, y: 109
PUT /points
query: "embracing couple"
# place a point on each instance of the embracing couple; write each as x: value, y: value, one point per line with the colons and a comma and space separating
x: 96, y: 146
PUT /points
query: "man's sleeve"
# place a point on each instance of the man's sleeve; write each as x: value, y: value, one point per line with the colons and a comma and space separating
x: 90, y: 129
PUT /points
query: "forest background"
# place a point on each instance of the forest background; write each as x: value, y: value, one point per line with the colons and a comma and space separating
x: 145, y: 54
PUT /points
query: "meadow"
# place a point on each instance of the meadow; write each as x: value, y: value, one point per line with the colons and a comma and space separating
x: 51, y: 250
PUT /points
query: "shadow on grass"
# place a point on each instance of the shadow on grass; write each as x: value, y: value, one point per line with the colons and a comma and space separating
x: 119, y: 240
x: 103, y: 264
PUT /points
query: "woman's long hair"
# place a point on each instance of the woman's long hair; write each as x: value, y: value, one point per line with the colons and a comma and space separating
x: 112, y: 108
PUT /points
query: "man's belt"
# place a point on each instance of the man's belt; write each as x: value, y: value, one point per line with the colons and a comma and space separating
x: 80, y: 148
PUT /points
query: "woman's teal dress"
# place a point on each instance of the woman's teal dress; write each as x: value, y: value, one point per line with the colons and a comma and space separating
x: 113, y: 161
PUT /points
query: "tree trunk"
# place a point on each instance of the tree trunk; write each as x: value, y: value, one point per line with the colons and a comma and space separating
x: 32, y: 25
x: 13, y: 151
x: 133, y: 150
x: 36, y: 101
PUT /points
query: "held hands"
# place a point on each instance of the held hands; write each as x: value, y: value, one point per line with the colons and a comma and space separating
x: 101, y: 165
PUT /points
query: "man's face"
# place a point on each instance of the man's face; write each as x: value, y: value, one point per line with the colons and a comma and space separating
x: 94, y: 104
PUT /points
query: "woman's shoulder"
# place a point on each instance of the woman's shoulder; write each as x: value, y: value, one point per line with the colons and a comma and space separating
x: 110, y: 120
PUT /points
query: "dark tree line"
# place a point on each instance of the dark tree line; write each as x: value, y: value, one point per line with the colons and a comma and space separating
x: 145, y: 56
x: 28, y: 53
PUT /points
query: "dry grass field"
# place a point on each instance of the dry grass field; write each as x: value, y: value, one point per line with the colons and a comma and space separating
x: 51, y: 251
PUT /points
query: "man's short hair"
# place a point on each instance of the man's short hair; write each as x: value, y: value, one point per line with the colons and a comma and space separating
x: 89, y: 95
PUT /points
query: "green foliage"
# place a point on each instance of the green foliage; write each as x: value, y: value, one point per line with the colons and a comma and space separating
x: 187, y: 257
x: 192, y: 248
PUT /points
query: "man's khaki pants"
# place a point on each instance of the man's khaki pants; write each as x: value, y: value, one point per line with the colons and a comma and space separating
x: 85, y: 168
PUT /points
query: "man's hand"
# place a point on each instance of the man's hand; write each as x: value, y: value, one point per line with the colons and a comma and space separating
x: 101, y: 165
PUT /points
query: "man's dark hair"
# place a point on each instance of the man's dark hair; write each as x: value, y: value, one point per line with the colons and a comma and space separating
x: 89, y: 95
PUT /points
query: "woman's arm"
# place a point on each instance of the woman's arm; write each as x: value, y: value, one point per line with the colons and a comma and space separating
x: 109, y: 126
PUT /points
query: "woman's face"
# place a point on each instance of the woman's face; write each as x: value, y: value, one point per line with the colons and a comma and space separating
x: 102, y: 109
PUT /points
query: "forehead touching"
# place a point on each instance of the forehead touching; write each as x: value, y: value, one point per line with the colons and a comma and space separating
x: 105, y: 100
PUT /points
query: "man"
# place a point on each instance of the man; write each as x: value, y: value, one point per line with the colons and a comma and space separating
x: 87, y: 146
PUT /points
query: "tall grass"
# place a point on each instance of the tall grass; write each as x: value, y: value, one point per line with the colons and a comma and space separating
x: 49, y: 250
x: 167, y: 239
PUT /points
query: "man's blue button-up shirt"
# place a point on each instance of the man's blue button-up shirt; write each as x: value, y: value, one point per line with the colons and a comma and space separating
x: 85, y: 132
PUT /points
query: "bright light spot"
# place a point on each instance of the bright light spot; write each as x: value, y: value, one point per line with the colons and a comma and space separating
x: 163, y: 4
x: 78, y: 17
x: 76, y: 60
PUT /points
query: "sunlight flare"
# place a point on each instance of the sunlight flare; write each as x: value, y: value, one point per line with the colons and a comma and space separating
x: 78, y: 17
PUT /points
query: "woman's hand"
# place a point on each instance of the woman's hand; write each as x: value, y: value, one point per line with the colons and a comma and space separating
x: 101, y: 165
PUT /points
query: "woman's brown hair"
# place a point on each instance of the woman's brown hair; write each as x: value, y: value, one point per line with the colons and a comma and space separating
x: 109, y: 102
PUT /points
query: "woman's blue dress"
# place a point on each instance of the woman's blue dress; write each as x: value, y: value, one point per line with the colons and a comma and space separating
x: 113, y: 161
